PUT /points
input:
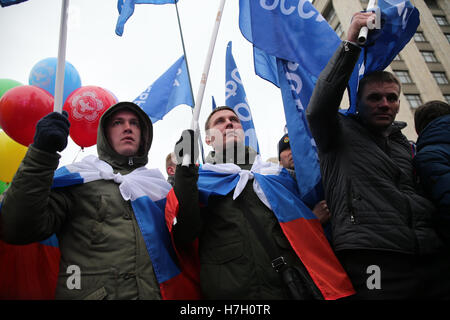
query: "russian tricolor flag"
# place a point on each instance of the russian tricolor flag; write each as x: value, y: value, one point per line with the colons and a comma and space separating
x: 147, y: 190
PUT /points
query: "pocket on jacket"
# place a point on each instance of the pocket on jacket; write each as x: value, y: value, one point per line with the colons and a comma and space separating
x: 98, y: 294
x: 98, y: 234
x: 225, y: 272
x: 222, y: 254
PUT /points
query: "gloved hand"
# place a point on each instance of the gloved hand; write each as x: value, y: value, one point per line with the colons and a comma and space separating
x: 52, y: 132
x: 188, y: 144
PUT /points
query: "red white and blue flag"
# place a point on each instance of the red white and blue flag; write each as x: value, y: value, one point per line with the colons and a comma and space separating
x: 147, y: 190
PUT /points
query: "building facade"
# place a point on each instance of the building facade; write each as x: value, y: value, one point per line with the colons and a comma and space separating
x: 423, y: 66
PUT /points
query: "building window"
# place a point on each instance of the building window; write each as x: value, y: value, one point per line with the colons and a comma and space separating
x: 413, y: 100
x: 431, y: 4
x: 428, y: 56
x: 440, y: 77
x: 447, y: 98
x: 419, y: 37
x: 403, y: 76
x: 329, y: 16
x: 447, y: 35
x: 441, y: 20
x: 339, y: 30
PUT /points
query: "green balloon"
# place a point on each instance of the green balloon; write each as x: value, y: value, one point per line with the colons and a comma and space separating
x: 3, y: 186
x: 6, y: 84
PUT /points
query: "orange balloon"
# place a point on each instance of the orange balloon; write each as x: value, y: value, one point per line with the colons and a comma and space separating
x: 11, y: 155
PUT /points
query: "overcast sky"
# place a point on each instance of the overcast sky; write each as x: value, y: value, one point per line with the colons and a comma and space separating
x: 127, y: 65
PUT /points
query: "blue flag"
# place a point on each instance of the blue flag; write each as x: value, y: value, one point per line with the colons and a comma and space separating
x: 291, y: 30
x: 296, y: 89
x: 213, y: 102
x: 5, y: 3
x: 236, y: 99
x: 265, y: 66
x: 167, y: 92
x: 126, y: 10
x: 399, y: 22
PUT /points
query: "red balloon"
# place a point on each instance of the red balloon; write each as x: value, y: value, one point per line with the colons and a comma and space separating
x: 21, y: 108
x: 85, y: 106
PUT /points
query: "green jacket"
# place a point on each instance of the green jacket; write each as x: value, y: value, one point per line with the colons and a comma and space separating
x: 96, y: 228
x: 234, y: 264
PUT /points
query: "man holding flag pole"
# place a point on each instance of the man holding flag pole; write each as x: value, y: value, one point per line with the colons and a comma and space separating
x: 381, y: 225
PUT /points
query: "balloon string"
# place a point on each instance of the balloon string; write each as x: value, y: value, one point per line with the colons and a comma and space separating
x: 76, y: 156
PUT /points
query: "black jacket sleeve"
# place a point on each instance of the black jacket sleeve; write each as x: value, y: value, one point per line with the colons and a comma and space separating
x: 189, y: 222
x: 322, y: 111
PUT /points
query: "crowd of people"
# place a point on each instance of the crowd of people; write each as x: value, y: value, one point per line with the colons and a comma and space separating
x: 386, y: 204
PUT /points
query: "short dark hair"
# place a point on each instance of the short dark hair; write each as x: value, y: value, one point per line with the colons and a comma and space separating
x: 377, y: 76
x: 221, y: 108
x: 428, y: 112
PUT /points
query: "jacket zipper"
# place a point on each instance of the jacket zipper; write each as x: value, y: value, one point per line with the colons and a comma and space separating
x: 350, y: 202
x: 130, y: 161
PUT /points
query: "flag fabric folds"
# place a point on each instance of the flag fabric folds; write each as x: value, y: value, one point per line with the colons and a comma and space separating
x: 236, y: 98
x: 29, y: 272
x: 126, y: 10
x: 5, y: 3
x: 168, y: 91
x: 213, y: 103
x: 400, y: 20
x: 278, y: 191
x: 147, y: 190
x: 291, y: 30
x: 296, y: 93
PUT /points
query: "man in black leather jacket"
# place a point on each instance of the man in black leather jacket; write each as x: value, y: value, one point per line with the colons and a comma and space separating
x: 381, y: 225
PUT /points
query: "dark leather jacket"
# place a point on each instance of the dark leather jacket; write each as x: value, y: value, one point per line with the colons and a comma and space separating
x: 368, y: 178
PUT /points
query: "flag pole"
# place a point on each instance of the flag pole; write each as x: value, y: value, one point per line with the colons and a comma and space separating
x: 362, y: 37
x: 184, y: 52
x: 189, y: 75
x: 59, y: 81
x: 201, y: 89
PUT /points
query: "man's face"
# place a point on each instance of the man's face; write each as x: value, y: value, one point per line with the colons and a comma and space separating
x: 379, y: 104
x: 225, y: 129
x: 124, y: 133
x: 286, y: 159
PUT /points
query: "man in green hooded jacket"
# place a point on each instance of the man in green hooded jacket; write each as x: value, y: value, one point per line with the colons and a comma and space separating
x: 96, y: 228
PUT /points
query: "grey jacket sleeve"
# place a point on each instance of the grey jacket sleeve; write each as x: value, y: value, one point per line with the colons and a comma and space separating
x: 30, y: 210
x: 322, y: 111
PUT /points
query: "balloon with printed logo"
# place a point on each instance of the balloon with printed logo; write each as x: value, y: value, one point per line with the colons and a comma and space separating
x: 11, y: 155
x: 21, y: 108
x: 85, y: 107
x: 43, y: 75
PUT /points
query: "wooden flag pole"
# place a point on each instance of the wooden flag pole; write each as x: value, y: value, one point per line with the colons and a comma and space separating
x: 59, y: 81
x: 201, y: 89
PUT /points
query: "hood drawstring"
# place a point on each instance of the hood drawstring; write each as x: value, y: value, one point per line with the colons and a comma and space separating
x: 130, y: 161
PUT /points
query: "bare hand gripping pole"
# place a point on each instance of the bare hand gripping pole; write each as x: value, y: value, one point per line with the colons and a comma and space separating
x: 362, y: 37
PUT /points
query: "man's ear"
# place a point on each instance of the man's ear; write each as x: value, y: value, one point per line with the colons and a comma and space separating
x: 170, y: 171
x: 208, y: 140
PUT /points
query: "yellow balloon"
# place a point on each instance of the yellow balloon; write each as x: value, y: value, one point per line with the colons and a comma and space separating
x: 11, y: 155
